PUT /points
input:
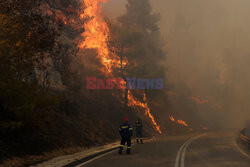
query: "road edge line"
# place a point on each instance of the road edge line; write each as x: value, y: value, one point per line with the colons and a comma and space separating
x: 185, y: 148
x: 76, y: 163
x: 84, y: 163
x: 241, y: 150
x: 177, y: 160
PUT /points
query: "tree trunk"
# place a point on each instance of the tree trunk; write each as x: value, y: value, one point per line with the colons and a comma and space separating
x: 124, y: 78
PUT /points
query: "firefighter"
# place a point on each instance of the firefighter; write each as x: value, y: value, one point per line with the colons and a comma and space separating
x: 126, y: 132
x: 138, y: 125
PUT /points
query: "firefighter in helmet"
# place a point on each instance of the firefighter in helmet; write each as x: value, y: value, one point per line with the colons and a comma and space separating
x: 126, y: 132
x: 138, y: 125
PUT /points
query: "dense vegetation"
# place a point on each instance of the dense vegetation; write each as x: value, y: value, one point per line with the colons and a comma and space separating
x: 44, y: 104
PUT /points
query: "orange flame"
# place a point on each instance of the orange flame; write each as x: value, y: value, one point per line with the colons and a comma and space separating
x: 199, y: 101
x: 181, y: 122
x: 59, y: 16
x: 172, y: 118
x: 204, y: 128
x: 171, y: 93
x: 133, y: 102
x: 96, y: 36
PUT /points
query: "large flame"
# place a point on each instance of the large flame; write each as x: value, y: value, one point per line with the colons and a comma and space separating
x: 96, y: 36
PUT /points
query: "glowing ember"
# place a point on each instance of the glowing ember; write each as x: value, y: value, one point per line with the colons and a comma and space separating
x: 199, y: 101
x: 59, y: 16
x: 181, y: 122
x: 133, y: 102
x: 171, y: 93
x: 172, y: 118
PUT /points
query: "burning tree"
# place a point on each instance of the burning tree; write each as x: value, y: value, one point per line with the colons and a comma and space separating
x: 144, y: 49
x: 42, y: 41
x: 125, y: 48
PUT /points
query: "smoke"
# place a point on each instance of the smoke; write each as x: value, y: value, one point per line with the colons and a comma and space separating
x: 208, y: 55
x: 114, y: 8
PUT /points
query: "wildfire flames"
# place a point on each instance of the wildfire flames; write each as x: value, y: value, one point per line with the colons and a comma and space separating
x: 95, y: 37
x: 171, y: 93
x: 172, y: 118
x: 133, y: 102
x: 199, y: 101
x: 96, y: 34
x: 181, y: 122
x: 204, y: 128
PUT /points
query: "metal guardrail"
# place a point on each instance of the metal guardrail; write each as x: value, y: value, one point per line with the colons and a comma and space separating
x: 244, y: 140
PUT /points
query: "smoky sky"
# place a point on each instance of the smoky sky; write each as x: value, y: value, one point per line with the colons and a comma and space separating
x: 208, y: 51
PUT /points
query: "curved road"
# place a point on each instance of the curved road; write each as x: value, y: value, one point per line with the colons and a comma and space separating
x: 196, y: 150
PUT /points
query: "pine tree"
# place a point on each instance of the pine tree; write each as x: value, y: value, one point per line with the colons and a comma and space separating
x: 139, y: 13
x: 143, y: 47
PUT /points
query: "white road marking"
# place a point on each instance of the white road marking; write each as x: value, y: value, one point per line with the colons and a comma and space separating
x: 146, y: 140
x: 182, y: 152
x: 177, y: 160
x: 241, y: 151
x: 84, y: 163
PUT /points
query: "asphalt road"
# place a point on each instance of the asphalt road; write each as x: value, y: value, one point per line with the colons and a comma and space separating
x: 195, y: 150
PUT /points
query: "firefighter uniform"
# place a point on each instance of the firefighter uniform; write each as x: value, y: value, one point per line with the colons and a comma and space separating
x: 138, y: 125
x: 126, y: 132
